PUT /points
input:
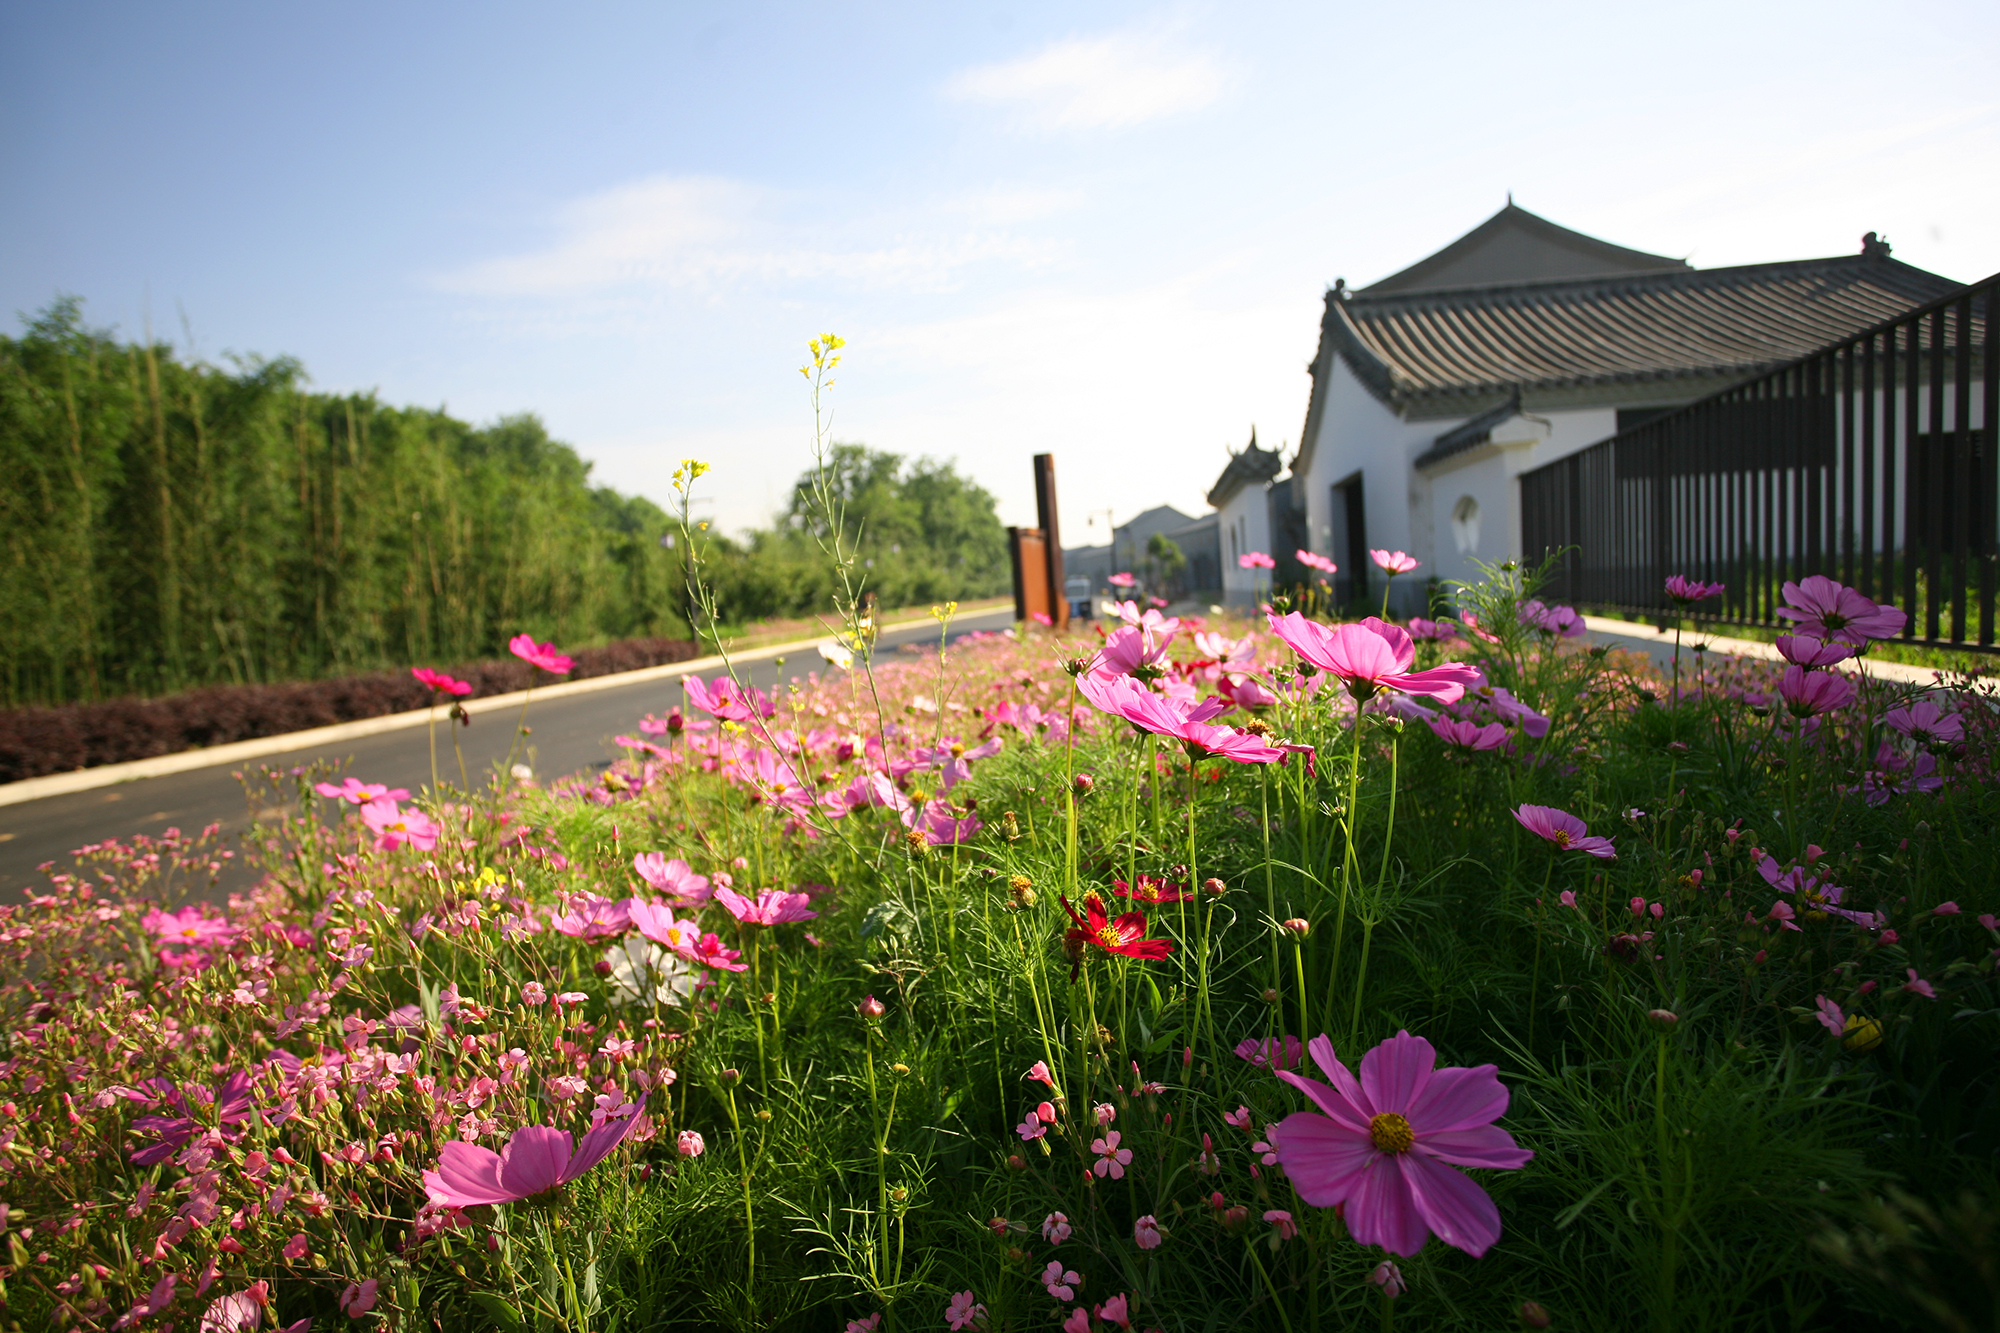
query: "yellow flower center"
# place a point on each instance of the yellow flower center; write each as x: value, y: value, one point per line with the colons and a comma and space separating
x: 1110, y: 937
x: 1561, y: 837
x: 1391, y: 1133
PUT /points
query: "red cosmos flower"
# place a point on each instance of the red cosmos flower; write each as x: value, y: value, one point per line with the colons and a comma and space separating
x: 1152, y: 889
x: 1124, y: 935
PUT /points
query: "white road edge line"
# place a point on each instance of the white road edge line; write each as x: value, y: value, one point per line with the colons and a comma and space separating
x: 1632, y: 629
x: 110, y: 775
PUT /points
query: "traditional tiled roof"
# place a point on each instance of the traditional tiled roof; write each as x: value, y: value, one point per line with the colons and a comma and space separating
x: 1452, y: 351
x: 1515, y: 245
x: 1252, y: 465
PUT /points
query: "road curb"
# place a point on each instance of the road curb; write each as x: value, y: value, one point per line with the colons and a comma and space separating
x: 110, y: 775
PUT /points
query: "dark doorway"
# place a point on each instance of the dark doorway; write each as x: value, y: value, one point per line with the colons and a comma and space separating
x: 1350, y: 542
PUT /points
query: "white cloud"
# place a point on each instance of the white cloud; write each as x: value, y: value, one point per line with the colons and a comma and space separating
x: 1092, y: 83
x: 703, y: 234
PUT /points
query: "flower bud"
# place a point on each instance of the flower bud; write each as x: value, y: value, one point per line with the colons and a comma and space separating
x: 763, y: 1113
x: 872, y: 1008
x: 729, y: 1076
x: 1533, y: 1315
x: 1298, y: 925
x: 602, y: 967
x: 1269, y: 996
x: 1214, y: 888
x: 689, y: 1144
x: 1015, y: 1162
x: 1389, y: 1278
x: 1663, y: 1019
x: 899, y: 1068
x: 1083, y: 784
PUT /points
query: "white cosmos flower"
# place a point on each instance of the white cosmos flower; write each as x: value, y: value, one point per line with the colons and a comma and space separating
x: 644, y: 973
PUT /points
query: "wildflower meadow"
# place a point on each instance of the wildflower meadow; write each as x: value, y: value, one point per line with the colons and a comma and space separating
x: 1272, y: 972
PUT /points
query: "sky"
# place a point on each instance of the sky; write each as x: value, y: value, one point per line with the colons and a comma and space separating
x: 1101, y: 231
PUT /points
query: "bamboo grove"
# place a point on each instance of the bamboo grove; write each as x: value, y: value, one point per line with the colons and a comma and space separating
x: 166, y: 524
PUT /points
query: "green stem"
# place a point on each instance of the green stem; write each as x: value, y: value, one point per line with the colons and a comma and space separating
x: 1348, y: 864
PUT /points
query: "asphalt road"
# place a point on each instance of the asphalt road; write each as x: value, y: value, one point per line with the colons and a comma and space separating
x: 567, y: 735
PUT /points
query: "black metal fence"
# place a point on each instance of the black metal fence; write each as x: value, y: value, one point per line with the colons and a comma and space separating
x: 1871, y: 461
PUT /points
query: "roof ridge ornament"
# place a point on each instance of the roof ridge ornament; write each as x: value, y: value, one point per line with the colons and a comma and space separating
x: 1874, y: 246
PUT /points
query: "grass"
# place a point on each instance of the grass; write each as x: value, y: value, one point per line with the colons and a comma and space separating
x: 1737, y: 1168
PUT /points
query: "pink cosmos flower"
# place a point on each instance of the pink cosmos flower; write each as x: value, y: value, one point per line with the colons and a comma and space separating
x: 1372, y: 656
x: 1687, y: 591
x: 590, y: 916
x: 709, y: 952
x: 1145, y: 1234
x: 1287, y: 1228
x: 188, y: 928
x: 1926, y: 723
x: 1421, y: 629
x: 1811, y: 693
x: 196, y: 1107
x: 1268, y: 1053
x: 393, y: 827
x: 1111, y: 1159
x: 688, y: 1143
x: 1557, y: 621
x: 359, y: 1298
x: 1820, y: 897
x: 1824, y: 609
x: 868, y: 1325
x: 724, y: 700
x: 537, y: 1159
x: 1917, y: 985
x: 1830, y: 1017
x: 1255, y: 560
x: 1319, y: 562
x: 1807, y: 652
x: 1187, y: 723
x: 1055, y: 1228
x: 672, y: 877
x: 442, y: 683
x: 1565, y: 830
x: 1122, y: 580
x: 1383, y: 1146
x: 773, y: 907
x: 1469, y: 736
x: 1393, y: 563
x: 357, y: 792
x: 1060, y: 1282
x: 964, y: 1312
x: 1129, y: 650
x: 543, y: 655
x: 941, y: 823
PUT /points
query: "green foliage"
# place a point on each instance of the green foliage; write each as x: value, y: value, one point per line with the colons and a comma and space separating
x: 920, y: 532
x: 169, y: 524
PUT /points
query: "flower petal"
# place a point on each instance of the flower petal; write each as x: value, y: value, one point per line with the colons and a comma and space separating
x: 533, y: 1160
x: 1380, y: 1210
x: 1329, y: 1100
x: 466, y: 1174
x: 599, y: 1142
x: 1323, y: 1158
x: 1457, y: 1098
x: 1454, y: 1207
x: 1478, y: 1145
x: 1396, y: 1073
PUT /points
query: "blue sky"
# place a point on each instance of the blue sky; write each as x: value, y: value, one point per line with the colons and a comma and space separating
x: 1097, y: 230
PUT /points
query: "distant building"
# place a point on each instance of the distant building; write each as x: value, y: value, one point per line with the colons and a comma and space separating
x: 1126, y: 552
x: 1201, y: 547
x: 1242, y: 499
x: 1519, y: 343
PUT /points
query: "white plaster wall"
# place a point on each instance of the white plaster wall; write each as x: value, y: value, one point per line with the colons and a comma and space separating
x: 1358, y: 433
x: 1244, y: 524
